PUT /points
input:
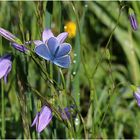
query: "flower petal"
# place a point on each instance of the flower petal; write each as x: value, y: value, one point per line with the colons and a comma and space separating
x: 43, y: 51
x: 53, y: 45
x: 64, y: 49
x: 61, y: 37
x: 137, y: 96
x: 44, y: 118
x: 47, y: 33
x: 65, y: 114
x: 7, y: 72
x: 63, y: 62
x: 7, y: 56
x: 5, y: 64
x: 132, y: 19
x: 133, y: 22
x: 38, y: 42
x: 35, y: 120
x: 6, y: 34
x: 19, y: 47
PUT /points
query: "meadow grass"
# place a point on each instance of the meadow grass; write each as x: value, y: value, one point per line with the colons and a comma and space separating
x: 105, y: 60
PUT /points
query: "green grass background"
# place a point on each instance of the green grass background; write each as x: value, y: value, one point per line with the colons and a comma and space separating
x: 99, y: 81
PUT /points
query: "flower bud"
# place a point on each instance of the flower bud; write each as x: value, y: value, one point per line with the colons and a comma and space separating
x: 132, y: 19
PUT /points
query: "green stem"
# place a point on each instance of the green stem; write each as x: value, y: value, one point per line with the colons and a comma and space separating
x: 107, y: 45
x: 51, y: 81
x: 51, y: 77
x: 80, y: 116
x: 51, y: 70
x: 47, y: 102
x: 2, y: 111
x: 77, y: 50
x: 63, y: 79
x: 20, y: 15
x: 23, y: 106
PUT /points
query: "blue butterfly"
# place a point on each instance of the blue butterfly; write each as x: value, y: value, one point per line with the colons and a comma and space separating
x: 54, y: 51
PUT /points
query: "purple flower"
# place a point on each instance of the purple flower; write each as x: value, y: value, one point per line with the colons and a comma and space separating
x: 42, y: 118
x: 53, y: 49
x: 68, y: 112
x: 16, y: 43
x: 132, y: 19
x: 9, y: 36
x: 5, y: 66
x: 137, y: 96
x: 21, y: 48
x: 65, y: 114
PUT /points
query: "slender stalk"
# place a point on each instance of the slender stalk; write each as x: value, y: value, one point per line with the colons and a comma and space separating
x: 51, y: 81
x: 78, y: 51
x: 47, y: 102
x: 107, y: 45
x: 20, y: 15
x: 76, y: 82
x: 23, y: 106
x: 51, y: 70
x: 52, y: 88
x: 63, y: 80
x: 2, y: 111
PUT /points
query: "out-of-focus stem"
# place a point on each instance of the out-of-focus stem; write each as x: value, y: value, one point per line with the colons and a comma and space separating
x: 22, y: 100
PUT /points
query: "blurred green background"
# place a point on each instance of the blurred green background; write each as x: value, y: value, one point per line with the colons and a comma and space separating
x: 99, y: 78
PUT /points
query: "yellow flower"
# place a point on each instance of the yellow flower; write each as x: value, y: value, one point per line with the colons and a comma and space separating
x: 70, y: 27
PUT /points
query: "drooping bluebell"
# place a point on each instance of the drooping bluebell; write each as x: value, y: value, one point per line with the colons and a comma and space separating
x: 15, y: 42
x: 42, y: 118
x: 137, y: 96
x: 5, y: 66
x: 133, y: 20
x: 21, y: 48
x: 9, y: 36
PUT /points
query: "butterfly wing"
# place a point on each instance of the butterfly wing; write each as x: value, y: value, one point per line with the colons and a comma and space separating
x: 53, y: 45
x: 43, y: 51
x: 64, y: 49
x: 63, y: 61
